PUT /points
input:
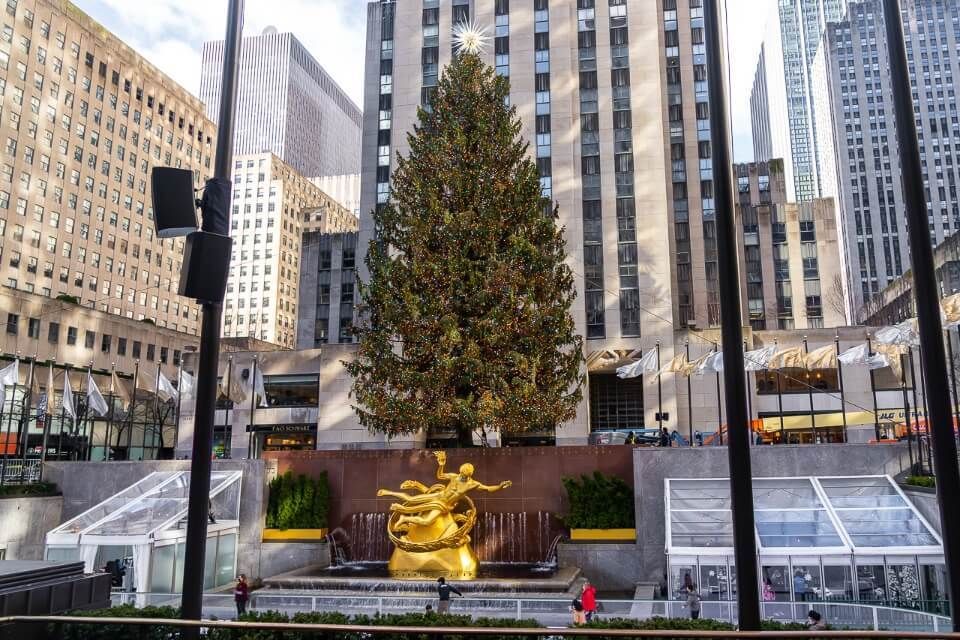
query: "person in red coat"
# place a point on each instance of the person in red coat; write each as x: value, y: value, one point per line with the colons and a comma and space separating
x: 589, y: 598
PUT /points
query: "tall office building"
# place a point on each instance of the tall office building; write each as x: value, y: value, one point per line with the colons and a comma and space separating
x: 855, y: 100
x: 789, y: 251
x: 85, y: 119
x: 623, y: 144
x: 272, y: 204
x: 782, y: 93
x: 286, y: 104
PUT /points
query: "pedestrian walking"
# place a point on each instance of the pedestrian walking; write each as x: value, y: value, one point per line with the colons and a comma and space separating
x: 241, y: 594
x: 693, y: 601
x: 588, y: 595
x: 444, y: 590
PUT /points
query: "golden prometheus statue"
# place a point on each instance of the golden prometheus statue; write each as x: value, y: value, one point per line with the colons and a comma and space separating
x: 431, y: 530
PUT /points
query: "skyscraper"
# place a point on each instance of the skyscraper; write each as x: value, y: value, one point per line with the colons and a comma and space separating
x: 623, y: 144
x: 855, y: 105
x: 782, y: 91
x: 286, y: 104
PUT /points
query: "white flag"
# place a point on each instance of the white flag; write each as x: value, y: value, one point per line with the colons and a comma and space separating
x: 68, y: 407
x: 9, y: 376
x: 165, y: 389
x: 95, y: 399
x: 758, y: 359
x: 904, y: 333
x: 860, y: 356
x: 646, y: 364
x: 186, y: 385
x: 713, y: 363
x: 260, y: 392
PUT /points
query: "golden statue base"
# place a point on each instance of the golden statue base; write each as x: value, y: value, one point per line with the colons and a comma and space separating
x: 456, y: 563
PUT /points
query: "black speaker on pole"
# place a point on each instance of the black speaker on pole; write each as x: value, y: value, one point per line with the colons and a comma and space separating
x: 206, y: 264
x: 174, y: 202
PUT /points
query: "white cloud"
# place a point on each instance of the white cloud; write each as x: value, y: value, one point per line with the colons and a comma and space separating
x: 170, y: 33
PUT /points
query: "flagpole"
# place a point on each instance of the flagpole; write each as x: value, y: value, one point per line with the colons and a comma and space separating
x: 25, y: 431
x: 176, y: 426
x: 813, y: 420
x: 113, y: 391
x: 783, y: 436
x: 749, y: 399
x: 873, y: 391
x: 716, y: 349
x: 843, y: 401
x: 47, y: 417
x: 226, y: 416
x: 156, y: 413
x: 6, y: 440
x: 133, y: 406
x: 916, y: 412
x: 953, y: 377
x: 926, y: 409
x: 689, y: 393
x: 63, y: 415
x: 253, y: 408
x: 659, y: 392
x: 906, y: 408
x: 86, y: 412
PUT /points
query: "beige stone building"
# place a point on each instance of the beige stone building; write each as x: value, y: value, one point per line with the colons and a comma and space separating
x: 789, y: 252
x: 84, y: 120
x: 272, y: 206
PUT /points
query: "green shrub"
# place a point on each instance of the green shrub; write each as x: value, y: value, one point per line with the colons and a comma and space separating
x: 922, y: 481
x: 298, y: 502
x: 599, y: 502
x: 34, y: 490
x: 132, y: 632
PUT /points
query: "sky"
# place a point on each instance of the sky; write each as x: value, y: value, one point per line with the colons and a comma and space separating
x: 170, y: 34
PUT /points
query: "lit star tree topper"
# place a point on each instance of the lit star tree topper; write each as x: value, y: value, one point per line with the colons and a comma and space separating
x: 470, y: 37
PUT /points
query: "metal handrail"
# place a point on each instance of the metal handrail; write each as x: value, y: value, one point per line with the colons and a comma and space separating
x: 469, y: 631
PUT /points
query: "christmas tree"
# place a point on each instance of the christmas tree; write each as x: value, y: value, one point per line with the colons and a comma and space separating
x: 465, y: 322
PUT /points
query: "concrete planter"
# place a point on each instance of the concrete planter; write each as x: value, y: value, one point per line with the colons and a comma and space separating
x: 294, y: 535
x: 603, y: 535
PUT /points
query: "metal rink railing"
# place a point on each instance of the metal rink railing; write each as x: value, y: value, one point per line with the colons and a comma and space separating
x: 552, y: 612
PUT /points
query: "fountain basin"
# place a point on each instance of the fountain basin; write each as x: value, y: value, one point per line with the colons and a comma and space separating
x: 373, y: 577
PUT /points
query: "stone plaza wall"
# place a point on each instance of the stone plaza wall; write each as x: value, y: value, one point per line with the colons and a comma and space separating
x: 24, y: 523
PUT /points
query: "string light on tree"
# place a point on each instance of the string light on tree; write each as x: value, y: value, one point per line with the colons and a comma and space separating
x: 470, y: 37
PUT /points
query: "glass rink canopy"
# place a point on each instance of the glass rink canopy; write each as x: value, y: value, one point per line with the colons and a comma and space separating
x: 853, y: 539
x: 143, y: 530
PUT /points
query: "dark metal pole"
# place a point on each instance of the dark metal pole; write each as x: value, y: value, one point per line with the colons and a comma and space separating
x: 813, y: 419
x: 843, y: 401
x: 206, y: 389
x: 659, y: 395
x: 749, y: 399
x: 953, y: 377
x: 47, y: 417
x: 927, y: 297
x: 916, y: 414
x: 738, y: 442
x: 253, y: 409
x: 689, y: 394
x: 873, y: 392
x: 716, y: 348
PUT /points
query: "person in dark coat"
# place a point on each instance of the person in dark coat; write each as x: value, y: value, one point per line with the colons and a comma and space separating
x: 241, y: 594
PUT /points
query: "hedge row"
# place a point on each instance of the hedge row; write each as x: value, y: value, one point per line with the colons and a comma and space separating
x: 161, y: 632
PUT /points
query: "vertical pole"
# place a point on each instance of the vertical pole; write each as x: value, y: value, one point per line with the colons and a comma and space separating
x: 47, y: 417
x: 813, y: 419
x: 206, y: 390
x: 176, y: 425
x: 873, y: 392
x: 131, y: 412
x: 253, y: 408
x: 738, y: 442
x: 916, y: 414
x: 928, y: 305
x: 924, y: 436
x: 716, y: 348
x: 6, y: 440
x: 25, y: 412
x: 63, y: 413
x: 783, y: 435
x: 659, y: 393
x: 953, y: 379
x: 843, y: 400
x: 113, y: 398
x: 689, y: 394
x: 749, y: 393
x: 85, y: 421
x: 906, y: 409
x: 156, y: 412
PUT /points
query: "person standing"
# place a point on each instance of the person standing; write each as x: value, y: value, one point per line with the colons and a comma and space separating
x: 589, y: 598
x: 664, y: 437
x: 444, y: 590
x: 693, y: 601
x: 241, y: 594
x: 799, y: 586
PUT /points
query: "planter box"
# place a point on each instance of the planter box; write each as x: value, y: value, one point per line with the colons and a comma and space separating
x: 603, y: 535
x: 294, y: 535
